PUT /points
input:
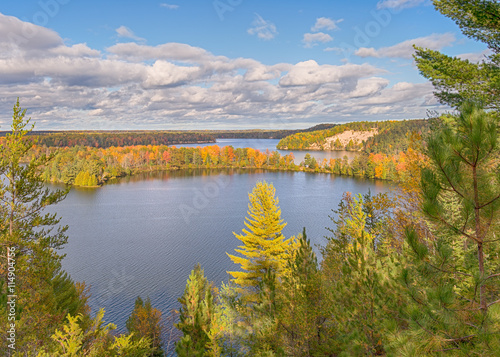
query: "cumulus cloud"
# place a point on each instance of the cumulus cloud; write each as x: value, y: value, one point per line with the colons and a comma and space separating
x: 170, y: 6
x: 311, y: 73
x: 312, y: 39
x: 405, y: 49
x: 125, y: 32
x: 398, y: 4
x: 168, y: 51
x: 369, y: 87
x: 264, y: 29
x: 325, y: 23
x: 175, y: 85
x: 17, y: 34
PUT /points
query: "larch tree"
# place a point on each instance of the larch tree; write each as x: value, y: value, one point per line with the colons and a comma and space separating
x: 265, y: 253
x: 264, y: 247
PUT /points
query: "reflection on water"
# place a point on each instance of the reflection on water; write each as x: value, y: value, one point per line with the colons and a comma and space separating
x: 142, y: 235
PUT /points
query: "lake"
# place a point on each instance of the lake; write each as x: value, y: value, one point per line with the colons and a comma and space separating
x: 142, y: 235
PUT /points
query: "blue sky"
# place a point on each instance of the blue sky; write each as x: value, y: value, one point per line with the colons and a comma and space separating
x: 220, y: 63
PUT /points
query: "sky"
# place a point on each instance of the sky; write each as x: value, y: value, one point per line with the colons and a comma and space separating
x: 219, y: 64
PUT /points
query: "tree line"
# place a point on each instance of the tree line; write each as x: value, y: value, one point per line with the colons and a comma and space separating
x: 87, y: 166
x: 106, y: 139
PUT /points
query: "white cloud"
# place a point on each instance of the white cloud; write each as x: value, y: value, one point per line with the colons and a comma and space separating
x: 405, y: 49
x: 169, y: 6
x: 78, y: 50
x: 168, y: 51
x: 476, y: 56
x: 325, y: 23
x: 312, y: 39
x: 311, y: 73
x: 265, y: 30
x: 125, y: 32
x: 17, y: 34
x: 175, y: 85
x: 166, y: 74
x: 369, y: 87
x: 398, y: 4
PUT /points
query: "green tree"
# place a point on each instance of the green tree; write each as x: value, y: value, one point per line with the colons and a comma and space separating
x: 44, y: 293
x: 300, y: 303
x: 455, y: 79
x: 197, y: 316
x: 359, y: 303
x: 453, y: 277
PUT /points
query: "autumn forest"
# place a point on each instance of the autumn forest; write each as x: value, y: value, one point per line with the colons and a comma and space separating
x: 411, y: 272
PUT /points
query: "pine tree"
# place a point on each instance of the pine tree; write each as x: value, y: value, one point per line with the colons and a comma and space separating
x: 453, y: 276
x: 359, y: 303
x: 36, y: 237
x: 300, y: 299
x: 456, y: 79
x: 196, y: 315
x: 264, y: 247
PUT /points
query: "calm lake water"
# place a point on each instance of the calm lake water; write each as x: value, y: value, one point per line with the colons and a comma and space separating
x: 142, y: 235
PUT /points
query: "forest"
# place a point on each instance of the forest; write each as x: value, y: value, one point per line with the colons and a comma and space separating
x: 390, y: 137
x: 106, y: 139
x: 88, y: 166
x: 415, y: 274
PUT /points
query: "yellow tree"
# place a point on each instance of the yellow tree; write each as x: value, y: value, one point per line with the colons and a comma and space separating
x: 264, y: 256
x: 264, y: 248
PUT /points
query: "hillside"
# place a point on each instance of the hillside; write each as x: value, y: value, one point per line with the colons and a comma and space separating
x: 371, y: 137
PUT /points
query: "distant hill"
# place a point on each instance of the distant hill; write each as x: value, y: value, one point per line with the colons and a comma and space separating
x: 383, y: 136
x: 108, y: 138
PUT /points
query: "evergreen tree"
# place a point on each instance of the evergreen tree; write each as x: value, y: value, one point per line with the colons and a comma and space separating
x: 196, y: 316
x: 455, y: 79
x: 359, y: 303
x: 300, y: 301
x: 453, y: 278
x: 44, y: 293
